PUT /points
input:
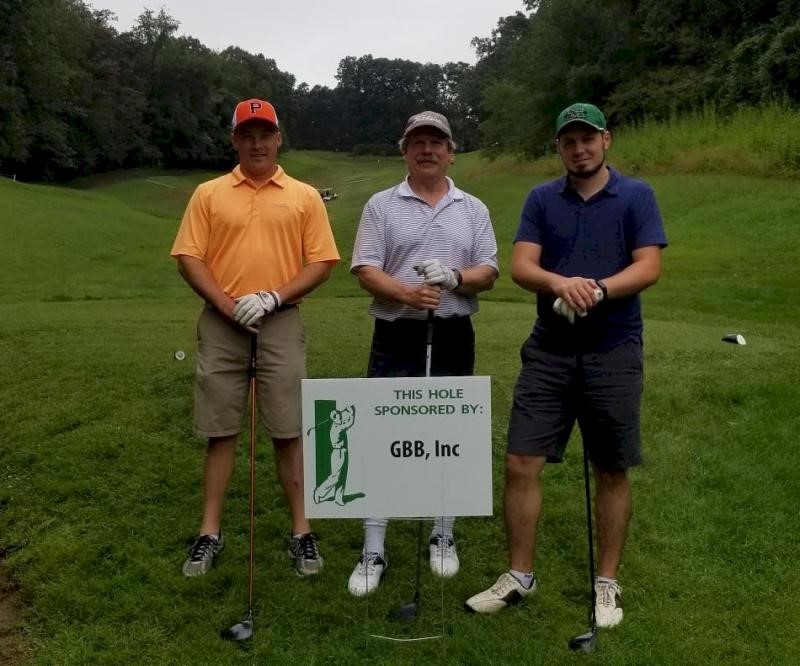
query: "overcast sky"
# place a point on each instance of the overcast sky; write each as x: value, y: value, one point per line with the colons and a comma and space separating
x: 308, y: 38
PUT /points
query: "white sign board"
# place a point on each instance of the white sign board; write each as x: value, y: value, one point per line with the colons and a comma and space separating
x: 397, y: 447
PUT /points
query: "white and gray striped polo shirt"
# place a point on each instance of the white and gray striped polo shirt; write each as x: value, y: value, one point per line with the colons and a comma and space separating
x: 398, y: 230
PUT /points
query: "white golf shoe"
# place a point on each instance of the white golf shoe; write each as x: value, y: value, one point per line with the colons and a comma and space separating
x: 367, y: 575
x: 608, y: 603
x: 506, y: 592
x: 443, y: 556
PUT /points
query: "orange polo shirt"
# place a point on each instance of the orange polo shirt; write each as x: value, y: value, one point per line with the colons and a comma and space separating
x: 255, y: 238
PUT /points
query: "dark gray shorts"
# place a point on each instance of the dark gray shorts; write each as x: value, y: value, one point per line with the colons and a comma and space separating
x: 601, y: 391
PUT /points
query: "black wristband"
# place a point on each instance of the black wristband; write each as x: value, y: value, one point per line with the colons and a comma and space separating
x: 603, y: 288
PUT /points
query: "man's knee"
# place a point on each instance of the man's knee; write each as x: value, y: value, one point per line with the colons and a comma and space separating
x: 220, y: 444
x: 523, y: 470
x: 611, y: 479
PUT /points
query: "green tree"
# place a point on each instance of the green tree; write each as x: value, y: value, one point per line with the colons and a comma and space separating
x: 14, y: 139
x: 569, y: 52
x: 377, y: 95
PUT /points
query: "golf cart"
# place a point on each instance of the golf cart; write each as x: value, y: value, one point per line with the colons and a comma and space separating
x: 328, y: 194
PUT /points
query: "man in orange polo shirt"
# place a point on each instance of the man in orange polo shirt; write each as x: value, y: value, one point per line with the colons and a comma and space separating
x: 252, y: 243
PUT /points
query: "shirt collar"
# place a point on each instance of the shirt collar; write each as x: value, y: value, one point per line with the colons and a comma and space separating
x: 404, y: 190
x: 278, y: 178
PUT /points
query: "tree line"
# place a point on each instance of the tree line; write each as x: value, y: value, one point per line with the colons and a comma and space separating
x: 639, y: 59
x: 77, y: 96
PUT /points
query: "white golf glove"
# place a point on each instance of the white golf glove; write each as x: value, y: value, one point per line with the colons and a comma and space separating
x: 432, y: 271
x: 562, y: 308
x: 252, y: 307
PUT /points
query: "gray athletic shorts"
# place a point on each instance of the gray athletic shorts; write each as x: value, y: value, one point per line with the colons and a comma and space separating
x: 223, y: 382
x: 601, y: 391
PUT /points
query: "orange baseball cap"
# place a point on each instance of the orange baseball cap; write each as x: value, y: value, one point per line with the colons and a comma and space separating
x: 254, y: 109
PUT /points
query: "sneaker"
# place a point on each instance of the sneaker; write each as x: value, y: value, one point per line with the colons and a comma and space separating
x: 607, y: 604
x: 202, y: 555
x: 444, y: 557
x: 305, y: 552
x: 367, y: 575
x: 505, y: 592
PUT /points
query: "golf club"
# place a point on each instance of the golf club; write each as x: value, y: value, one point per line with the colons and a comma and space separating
x: 587, y: 642
x: 242, y: 631
x: 408, y: 612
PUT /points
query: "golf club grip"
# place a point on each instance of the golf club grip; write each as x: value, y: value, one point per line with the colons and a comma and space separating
x: 253, y: 354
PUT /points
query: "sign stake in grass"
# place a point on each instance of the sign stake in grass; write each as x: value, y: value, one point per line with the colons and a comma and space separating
x: 243, y: 631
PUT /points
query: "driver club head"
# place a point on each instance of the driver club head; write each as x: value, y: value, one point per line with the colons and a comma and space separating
x: 242, y: 631
x: 584, y: 642
x: 404, y: 613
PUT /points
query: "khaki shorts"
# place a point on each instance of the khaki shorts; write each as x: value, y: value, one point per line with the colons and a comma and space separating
x: 223, y: 383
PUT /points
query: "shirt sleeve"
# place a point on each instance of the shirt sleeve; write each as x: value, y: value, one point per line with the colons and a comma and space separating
x: 318, y: 240
x: 649, y: 227
x: 370, y: 245
x: 484, y: 249
x: 194, y: 231
x: 530, y: 230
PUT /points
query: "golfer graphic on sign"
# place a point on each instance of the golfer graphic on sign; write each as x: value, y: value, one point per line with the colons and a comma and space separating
x: 333, y: 487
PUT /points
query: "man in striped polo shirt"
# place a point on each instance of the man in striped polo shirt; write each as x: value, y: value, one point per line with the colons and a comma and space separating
x: 421, y: 245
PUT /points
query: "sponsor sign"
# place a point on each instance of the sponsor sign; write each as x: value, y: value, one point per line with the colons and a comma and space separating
x: 397, y: 447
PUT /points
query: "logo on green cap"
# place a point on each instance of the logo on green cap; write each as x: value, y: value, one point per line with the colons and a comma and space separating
x: 588, y: 114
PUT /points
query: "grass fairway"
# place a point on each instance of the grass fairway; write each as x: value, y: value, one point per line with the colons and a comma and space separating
x: 100, y: 473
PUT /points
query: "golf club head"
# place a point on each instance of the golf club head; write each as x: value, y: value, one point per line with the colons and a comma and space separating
x: 584, y: 642
x: 404, y: 613
x: 242, y: 631
x: 735, y: 338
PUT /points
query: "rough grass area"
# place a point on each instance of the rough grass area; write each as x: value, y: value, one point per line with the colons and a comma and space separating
x: 756, y: 142
x: 100, y: 474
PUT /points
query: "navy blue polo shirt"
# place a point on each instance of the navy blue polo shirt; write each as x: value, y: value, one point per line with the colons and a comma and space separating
x: 591, y: 239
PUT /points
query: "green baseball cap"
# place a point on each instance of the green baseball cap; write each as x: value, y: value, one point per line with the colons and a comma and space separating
x: 588, y: 114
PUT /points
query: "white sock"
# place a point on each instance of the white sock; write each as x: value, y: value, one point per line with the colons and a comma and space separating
x: 443, y: 526
x: 375, y: 535
x: 525, y: 579
x: 604, y: 579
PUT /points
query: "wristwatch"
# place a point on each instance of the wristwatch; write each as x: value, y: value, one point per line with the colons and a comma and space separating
x: 459, y: 278
x: 603, y: 288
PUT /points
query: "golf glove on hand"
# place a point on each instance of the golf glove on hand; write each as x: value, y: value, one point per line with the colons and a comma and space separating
x: 562, y: 308
x: 433, y: 272
x: 252, y: 307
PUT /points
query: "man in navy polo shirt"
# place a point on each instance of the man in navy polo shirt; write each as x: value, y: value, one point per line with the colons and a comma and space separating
x: 587, y: 245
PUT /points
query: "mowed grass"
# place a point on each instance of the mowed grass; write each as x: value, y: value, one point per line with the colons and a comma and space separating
x: 100, y: 473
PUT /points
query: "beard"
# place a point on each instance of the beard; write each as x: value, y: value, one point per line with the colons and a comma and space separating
x: 588, y: 173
